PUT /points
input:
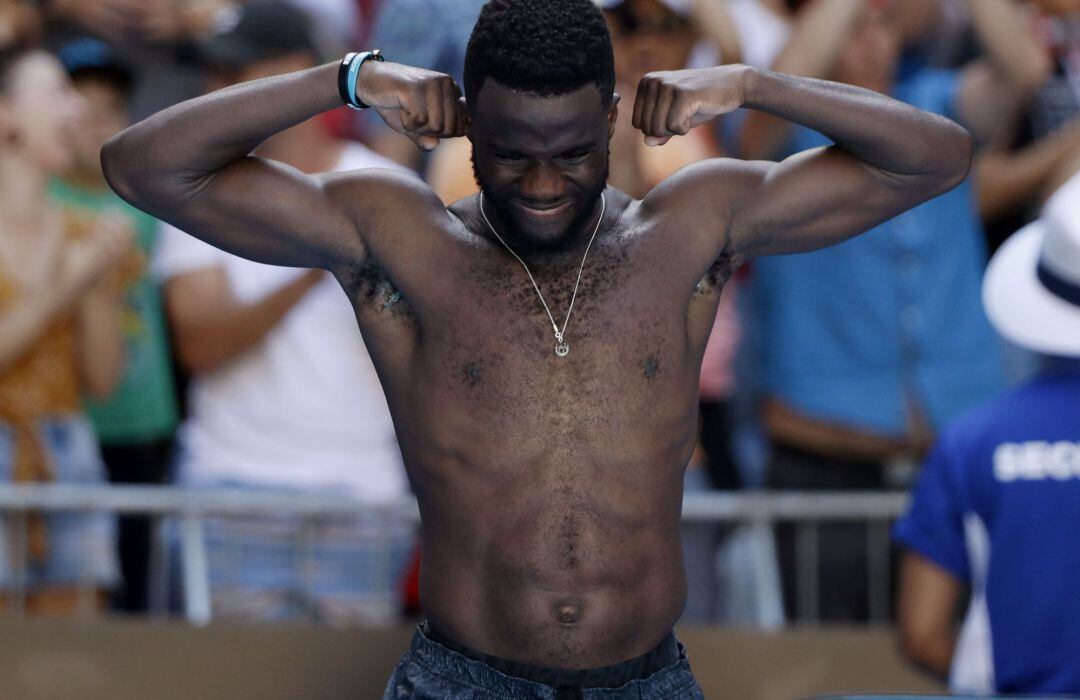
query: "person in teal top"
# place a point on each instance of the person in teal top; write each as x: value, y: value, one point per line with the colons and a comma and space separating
x: 143, y: 408
x: 136, y: 423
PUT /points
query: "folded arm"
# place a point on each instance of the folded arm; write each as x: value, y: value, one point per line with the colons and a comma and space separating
x: 887, y: 157
x: 190, y: 165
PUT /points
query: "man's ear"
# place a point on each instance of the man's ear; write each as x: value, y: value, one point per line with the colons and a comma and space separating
x: 613, y: 114
x: 468, y: 117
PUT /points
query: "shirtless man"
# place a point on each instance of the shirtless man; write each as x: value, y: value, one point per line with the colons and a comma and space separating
x: 548, y: 470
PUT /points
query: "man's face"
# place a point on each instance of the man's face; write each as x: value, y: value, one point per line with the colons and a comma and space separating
x: 541, y: 161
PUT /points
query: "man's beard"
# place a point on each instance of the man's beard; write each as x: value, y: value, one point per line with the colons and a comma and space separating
x: 573, y: 231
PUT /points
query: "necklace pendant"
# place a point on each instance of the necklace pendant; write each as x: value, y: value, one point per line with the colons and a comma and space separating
x: 562, y: 349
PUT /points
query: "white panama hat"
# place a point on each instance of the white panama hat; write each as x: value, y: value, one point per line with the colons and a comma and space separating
x: 1032, y: 286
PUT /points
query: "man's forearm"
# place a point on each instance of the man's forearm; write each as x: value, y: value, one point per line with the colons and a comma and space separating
x: 194, y: 139
x: 882, y: 132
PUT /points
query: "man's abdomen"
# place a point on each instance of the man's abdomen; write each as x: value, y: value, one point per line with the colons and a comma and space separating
x: 558, y: 579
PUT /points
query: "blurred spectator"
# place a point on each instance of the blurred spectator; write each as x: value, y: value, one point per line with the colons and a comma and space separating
x: 153, y: 36
x: 997, y: 507
x: 429, y: 34
x: 869, y: 346
x: 135, y: 425
x: 283, y: 395
x: 762, y: 28
x: 336, y: 24
x: 1057, y: 23
x: 20, y: 22
x: 1016, y: 175
x: 59, y: 335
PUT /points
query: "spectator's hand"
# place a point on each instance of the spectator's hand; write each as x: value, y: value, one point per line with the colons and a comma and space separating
x: 161, y: 21
x: 670, y: 103
x: 115, y: 20
x: 19, y: 22
x: 92, y: 257
x: 424, y: 105
x: 202, y: 18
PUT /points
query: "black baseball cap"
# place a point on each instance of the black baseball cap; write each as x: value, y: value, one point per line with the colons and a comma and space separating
x: 90, y: 57
x: 263, y: 29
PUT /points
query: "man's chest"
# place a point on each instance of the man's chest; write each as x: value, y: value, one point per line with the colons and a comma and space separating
x: 503, y: 335
x: 620, y: 346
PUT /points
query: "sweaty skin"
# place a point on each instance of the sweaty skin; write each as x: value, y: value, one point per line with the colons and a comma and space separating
x: 550, y: 488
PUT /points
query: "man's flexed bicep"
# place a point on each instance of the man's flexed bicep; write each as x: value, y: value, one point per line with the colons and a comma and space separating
x: 265, y: 211
x: 815, y: 199
x: 888, y: 157
x: 191, y: 165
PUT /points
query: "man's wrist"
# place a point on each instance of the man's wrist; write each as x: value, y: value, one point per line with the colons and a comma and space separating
x: 748, y: 80
x: 755, y: 86
x: 349, y: 86
x: 364, y: 92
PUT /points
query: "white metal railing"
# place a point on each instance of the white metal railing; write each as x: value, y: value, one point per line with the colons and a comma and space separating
x: 190, y: 508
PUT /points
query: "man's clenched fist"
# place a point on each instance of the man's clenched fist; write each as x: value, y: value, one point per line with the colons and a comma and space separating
x: 424, y: 105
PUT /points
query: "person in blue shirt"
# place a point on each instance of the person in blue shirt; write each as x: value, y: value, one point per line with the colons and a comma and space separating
x: 997, y: 507
x: 868, y: 347
x: 436, y: 42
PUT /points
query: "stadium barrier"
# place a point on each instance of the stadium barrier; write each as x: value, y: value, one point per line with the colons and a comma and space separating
x: 189, y: 509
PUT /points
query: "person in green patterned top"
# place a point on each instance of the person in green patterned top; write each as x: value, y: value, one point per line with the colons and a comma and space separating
x: 136, y: 423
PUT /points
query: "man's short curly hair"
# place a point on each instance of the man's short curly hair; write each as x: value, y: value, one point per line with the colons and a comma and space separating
x: 541, y: 47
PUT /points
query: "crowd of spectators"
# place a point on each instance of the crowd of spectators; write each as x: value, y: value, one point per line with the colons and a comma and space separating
x: 130, y: 352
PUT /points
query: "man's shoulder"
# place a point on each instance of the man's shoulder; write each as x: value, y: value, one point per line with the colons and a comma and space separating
x: 379, y: 185
x: 728, y: 178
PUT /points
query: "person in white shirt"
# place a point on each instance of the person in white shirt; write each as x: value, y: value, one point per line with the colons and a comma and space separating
x: 283, y: 393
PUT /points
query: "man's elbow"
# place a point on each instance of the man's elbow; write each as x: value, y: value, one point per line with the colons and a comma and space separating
x: 954, y: 159
x: 136, y: 171
x: 117, y: 165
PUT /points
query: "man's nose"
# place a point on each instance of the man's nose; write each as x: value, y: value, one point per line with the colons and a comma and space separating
x: 543, y: 183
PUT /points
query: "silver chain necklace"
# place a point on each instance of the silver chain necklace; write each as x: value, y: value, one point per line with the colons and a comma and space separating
x: 562, y: 348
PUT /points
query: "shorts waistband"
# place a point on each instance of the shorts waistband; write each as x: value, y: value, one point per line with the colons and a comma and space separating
x: 666, y: 654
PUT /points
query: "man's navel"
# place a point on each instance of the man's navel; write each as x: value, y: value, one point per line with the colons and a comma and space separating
x: 569, y: 613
